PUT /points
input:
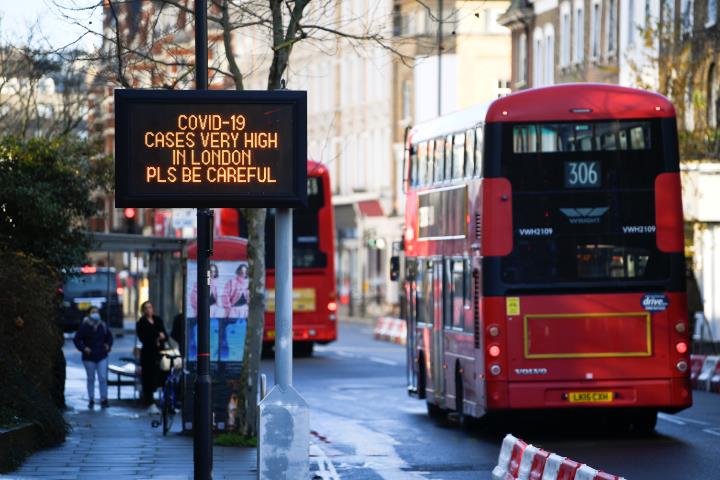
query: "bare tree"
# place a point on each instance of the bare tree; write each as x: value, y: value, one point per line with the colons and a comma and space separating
x: 150, y: 44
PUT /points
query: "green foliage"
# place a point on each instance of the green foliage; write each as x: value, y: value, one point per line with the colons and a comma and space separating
x: 235, y: 440
x: 30, y: 347
x: 46, y: 189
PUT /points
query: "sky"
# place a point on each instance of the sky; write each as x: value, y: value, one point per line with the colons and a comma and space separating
x: 19, y: 15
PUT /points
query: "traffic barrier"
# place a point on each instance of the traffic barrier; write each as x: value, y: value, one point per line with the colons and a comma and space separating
x: 696, y: 364
x: 532, y: 463
x: 509, y: 459
x: 520, y: 461
x: 391, y: 330
x: 708, y: 372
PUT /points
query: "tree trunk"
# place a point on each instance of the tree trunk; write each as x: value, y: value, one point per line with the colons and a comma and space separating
x: 249, y: 379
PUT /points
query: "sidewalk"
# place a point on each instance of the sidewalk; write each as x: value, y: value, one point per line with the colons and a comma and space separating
x: 119, y: 443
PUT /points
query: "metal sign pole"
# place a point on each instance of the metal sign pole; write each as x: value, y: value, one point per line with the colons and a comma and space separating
x: 284, y: 419
x: 283, y: 297
x: 202, y: 424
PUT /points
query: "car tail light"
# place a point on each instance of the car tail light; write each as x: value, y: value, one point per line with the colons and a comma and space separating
x: 494, y: 351
x: 88, y: 269
x: 681, y: 347
x: 332, y: 306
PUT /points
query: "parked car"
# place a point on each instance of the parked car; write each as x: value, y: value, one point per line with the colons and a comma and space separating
x: 90, y: 287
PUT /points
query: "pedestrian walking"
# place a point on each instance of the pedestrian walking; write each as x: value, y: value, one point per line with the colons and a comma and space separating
x: 94, y: 339
x: 152, y: 335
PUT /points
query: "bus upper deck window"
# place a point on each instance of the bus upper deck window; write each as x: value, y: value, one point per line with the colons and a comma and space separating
x: 469, y: 153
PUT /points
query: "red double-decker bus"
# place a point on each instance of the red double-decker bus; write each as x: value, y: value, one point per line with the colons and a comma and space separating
x: 543, y: 256
x: 314, y: 296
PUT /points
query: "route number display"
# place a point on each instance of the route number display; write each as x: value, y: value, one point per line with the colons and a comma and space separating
x: 210, y: 148
x: 582, y: 174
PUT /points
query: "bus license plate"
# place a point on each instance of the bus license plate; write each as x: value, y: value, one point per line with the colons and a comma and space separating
x: 590, y: 397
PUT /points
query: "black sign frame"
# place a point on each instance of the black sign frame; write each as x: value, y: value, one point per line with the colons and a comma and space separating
x: 126, y: 196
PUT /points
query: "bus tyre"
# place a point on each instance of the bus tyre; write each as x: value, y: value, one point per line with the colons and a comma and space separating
x: 644, y: 421
x: 435, y: 411
x: 303, y: 349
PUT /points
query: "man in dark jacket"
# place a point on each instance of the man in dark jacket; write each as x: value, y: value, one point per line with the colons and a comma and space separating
x: 94, y: 339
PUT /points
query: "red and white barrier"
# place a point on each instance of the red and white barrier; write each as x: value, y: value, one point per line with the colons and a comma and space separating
x: 520, y: 461
x: 391, y: 330
x: 696, y: 364
x: 708, y: 371
x: 509, y: 459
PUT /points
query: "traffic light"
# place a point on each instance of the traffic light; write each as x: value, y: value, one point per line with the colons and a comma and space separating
x: 130, y: 215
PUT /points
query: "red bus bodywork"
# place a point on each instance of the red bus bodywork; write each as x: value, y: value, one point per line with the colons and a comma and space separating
x: 558, y: 348
x: 318, y: 323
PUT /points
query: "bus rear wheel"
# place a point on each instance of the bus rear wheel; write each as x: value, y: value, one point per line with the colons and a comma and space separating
x: 303, y: 349
x: 644, y: 421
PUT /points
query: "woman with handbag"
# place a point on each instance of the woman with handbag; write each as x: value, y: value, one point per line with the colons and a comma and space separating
x: 151, y: 332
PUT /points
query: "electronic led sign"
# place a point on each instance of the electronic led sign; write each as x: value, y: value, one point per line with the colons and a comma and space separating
x: 210, y: 148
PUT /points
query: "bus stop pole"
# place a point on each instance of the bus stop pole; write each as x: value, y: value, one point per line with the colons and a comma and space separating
x: 202, y: 424
x: 284, y: 418
x: 283, y: 297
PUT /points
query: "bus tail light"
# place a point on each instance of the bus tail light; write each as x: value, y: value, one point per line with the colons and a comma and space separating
x: 332, y: 306
x: 494, y: 330
x: 120, y: 291
x: 680, y: 327
x: 494, y: 351
x: 681, y: 348
x: 495, y: 369
x: 682, y: 366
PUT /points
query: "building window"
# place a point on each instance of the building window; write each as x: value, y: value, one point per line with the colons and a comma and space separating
x: 611, y: 26
x: 595, y: 30
x: 538, y: 58
x: 712, y: 97
x: 668, y: 16
x: 549, y: 77
x: 565, y: 38
x: 711, y: 13
x: 631, y: 22
x: 686, y: 24
x: 689, y: 116
x: 579, y: 53
x: 522, y: 59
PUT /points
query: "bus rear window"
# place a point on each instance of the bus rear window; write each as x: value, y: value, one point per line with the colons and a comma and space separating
x: 581, y: 137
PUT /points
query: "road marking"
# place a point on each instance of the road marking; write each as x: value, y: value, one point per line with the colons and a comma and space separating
x: 671, y: 419
x: 690, y: 420
x: 326, y: 469
x: 383, y: 361
x: 345, y: 354
x: 712, y: 431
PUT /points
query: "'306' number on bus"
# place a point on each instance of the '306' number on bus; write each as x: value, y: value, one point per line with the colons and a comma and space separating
x: 582, y: 174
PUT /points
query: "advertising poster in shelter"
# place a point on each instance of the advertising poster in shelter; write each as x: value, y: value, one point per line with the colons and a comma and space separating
x: 229, y: 294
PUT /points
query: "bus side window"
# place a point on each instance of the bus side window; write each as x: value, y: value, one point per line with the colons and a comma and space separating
x: 448, y: 157
x: 478, y: 151
x: 439, y: 159
x: 469, y: 323
x: 421, y: 159
x: 458, y: 155
x: 470, y: 153
x: 430, y: 163
x: 420, y: 282
x: 413, y: 165
x: 458, y: 294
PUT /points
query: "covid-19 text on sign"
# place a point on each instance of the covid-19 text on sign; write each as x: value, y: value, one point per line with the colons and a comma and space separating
x: 210, y: 148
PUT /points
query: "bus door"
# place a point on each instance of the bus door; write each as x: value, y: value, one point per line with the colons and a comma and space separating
x: 437, y: 353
